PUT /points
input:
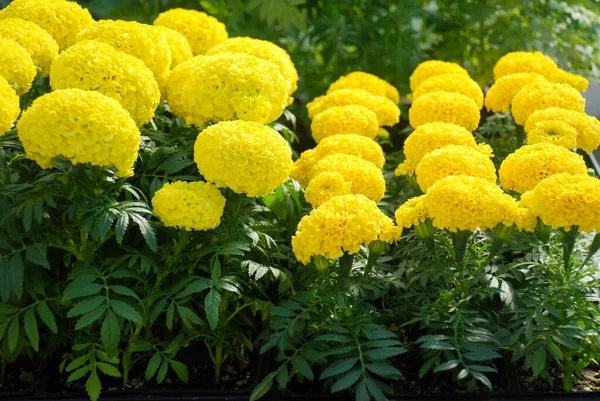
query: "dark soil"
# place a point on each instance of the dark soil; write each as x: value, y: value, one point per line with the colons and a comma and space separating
x: 19, y: 377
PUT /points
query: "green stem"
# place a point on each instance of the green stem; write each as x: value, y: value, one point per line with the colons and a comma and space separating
x: 459, y: 242
x: 501, y: 234
x: 593, y: 248
x: 544, y: 230
x: 238, y: 310
x: 412, y: 180
x: 218, y: 361
x: 425, y: 231
x: 184, y: 237
x: 346, y: 264
x: 568, y: 241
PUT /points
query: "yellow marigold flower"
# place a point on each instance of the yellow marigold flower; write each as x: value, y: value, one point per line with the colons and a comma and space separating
x: 444, y: 107
x: 177, y: 84
x: 344, y: 120
x: 534, y: 62
x: 178, y: 45
x: 303, y: 166
x: 588, y: 128
x: 9, y: 106
x: 576, y: 81
x: 383, y: 133
x: 264, y: 50
x: 189, y: 205
x: 566, y: 200
x: 453, y: 160
x: 455, y: 83
x: 40, y: 44
x: 540, y: 96
x: 430, y: 68
x: 365, y: 177
x: 97, y: 66
x: 142, y: 41
x: 500, y: 95
x: 245, y: 156
x: 412, y: 212
x: 82, y: 126
x: 522, y: 170
x: 16, y: 65
x: 325, y: 186
x: 431, y: 136
x: 365, y: 81
x: 342, y: 224
x: 201, y: 30
x: 387, y: 112
x: 61, y: 19
x: 555, y: 132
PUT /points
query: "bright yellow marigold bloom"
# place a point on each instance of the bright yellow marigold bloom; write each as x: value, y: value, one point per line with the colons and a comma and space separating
x: 342, y: 120
x: 453, y: 160
x: 430, y: 68
x: 245, y: 156
x: 82, y: 126
x: 303, y: 166
x: 540, y: 96
x: 444, y: 107
x: 9, y: 106
x: 342, y: 224
x: 61, y: 19
x: 365, y: 81
x: 500, y: 95
x: 534, y: 62
x: 16, y: 65
x: 522, y: 170
x: 40, y: 44
x: 97, y: 66
x: 325, y: 186
x: 365, y: 177
x: 576, y: 81
x: 201, y: 30
x: 387, y: 112
x: 455, y: 83
x: 588, y: 127
x: 555, y: 132
x: 177, y: 84
x: 566, y: 200
x: 412, y: 212
x: 189, y: 205
x: 178, y: 45
x: 264, y: 50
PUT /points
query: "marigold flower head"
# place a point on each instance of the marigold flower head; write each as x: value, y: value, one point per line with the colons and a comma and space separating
x: 500, y: 95
x: 539, y: 96
x: 365, y: 81
x: 342, y: 224
x: 565, y: 200
x: 61, y: 19
x: 178, y: 45
x: 387, y: 112
x: 9, y: 106
x: 576, y: 81
x: 453, y: 160
x: 555, y: 132
x: 245, y: 156
x: 200, y: 29
x: 522, y: 170
x: 534, y: 62
x: 92, y: 65
x: 177, y: 83
x: 40, y: 44
x: 412, y: 212
x: 325, y: 186
x: 342, y: 120
x: 455, y: 83
x: 444, y: 107
x: 588, y: 127
x: 189, y: 205
x: 430, y: 68
x: 264, y: 50
x: 303, y: 166
x: 16, y: 65
x: 82, y: 126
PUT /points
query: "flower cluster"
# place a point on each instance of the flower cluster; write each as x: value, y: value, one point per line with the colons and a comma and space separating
x: 432, y: 68
x: 455, y: 83
x: 178, y: 45
x: 445, y: 107
x: 9, y: 106
x: 365, y: 81
x: 576, y: 81
x: 501, y: 94
x: 16, y: 65
x: 539, y: 96
x: 412, y: 212
x: 342, y: 120
x: 325, y: 186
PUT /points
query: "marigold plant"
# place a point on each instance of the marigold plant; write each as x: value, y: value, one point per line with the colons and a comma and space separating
x: 444, y: 107
x: 325, y: 186
x: 9, y: 106
x: 179, y: 47
x: 16, y: 65
x: 341, y: 120
x: 500, y: 95
x: 455, y: 83
x: 553, y: 131
x: 177, y: 84
x: 539, y: 96
x: 532, y: 62
x: 576, y: 81
x: 412, y: 212
x: 430, y: 68
x: 303, y: 166
x: 365, y: 81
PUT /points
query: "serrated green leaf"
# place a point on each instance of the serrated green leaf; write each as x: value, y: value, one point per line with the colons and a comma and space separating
x: 427, y: 366
x: 122, y: 290
x: 382, y: 343
x: 79, y: 373
x: 438, y: 345
x: 121, y: 227
x: 108, y: 369
x: 170, y: 315
x: 110, y: 333
x: 384, y: 370
x: 180, y: 369
x: 538, y: 362
x: 282, y: 376
x: 13, y: 334
x: 86, y: 306
x: 16, y: 274
x: 302, y: 366
x: 90, y: 317
x: 146, y: 230
x: 346, y: 381
x: 482, y: 378
x: 153, y: 365
x: 7, y: 309
x: 31, y: 329
x: 211, y: 303
x: 263, y: 387
x: 78, y: 289
x: 448, y: 365
x: 93, y: 386
x: 162, y: 372
x: 47, y: 316
x: 198, y: 285
x: 338, y: 367
x: 375, y: 390
x: 126, y: 311
x: 361, y: 392
x: 384, y: 353
x: 36, y: 254
x: 482, y: 355
x: 77, y: 362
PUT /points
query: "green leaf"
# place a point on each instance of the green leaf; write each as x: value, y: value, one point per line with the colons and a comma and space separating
x: 482, y: 355
x: 122, y: 290
x: 36, y: 254
x: 375, y: 390
x: 338, y: 367
x: 13, y: 334
x: 194, y: 287
x: 126, y: 311
x: 462, y: 374
x: 90, y: 317
x: 263, y: 387
x: 211, y: 303
x: 384, y: 353
x: 16, y: 274
x: 538, y: 362
x: 555, y: 351
x: 121, y: 227
x: 27, y: 217
x: 93, y: 386
x: 153, y: 365
x: 448, y: 365
x: 438, y: 345
x: 384, y: 370
x: 79, y: 373
x: 180, y: 369
x: 302, y: 366
x: 31, y: 329
x: 110, y: 333
x: 382, y: 343
x: 77, y: 362
x: 282, y: 376
x: 47, y: 316
x: 146, y: 230
x: 215, y: 270
x: 346, y: 381
x: 281, y: 312
x: 170, y: 315
x: 86, y: 306
x: 162, y: 372
x: 108, y: 369
x: 7, y: 309
x: 482, y: 378
x: 427, y: 366
x: 78, y: 289
x: 361, y: 392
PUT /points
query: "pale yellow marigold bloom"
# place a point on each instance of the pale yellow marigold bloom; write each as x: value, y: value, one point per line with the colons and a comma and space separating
x: 576, y: 81
x: 16, y: 65
x: 248, y: 157
x: 365, y: 177
x: 9, y: 106
x: 189, y: 205
x: 342, y: 120
x: 430, y: 68
x: 541, y: 96
x: 81, y: 126
x: 455, y: 83
x: 533, y: 62
x: 444, y: 107
x: 412, y: 212
x: 325, y: 186
x: 588, y: 127
x: 566, y: 200
x: 522, y: 170
x: 40, y: 44
x: 342, y: 224
x: 61, y: 19
x: 365, y: 81
x: 264, y: 50
x: 453, y: 160
x: 387, y: 112
x: 500, y: 95
x: 92, y: 65
x: 555, y: 132
x: 178, y: 45
x: 200, y: 29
